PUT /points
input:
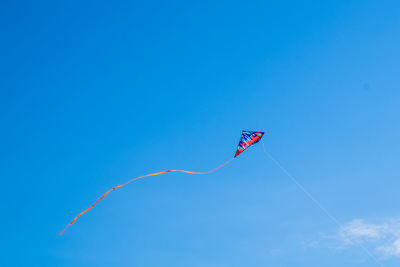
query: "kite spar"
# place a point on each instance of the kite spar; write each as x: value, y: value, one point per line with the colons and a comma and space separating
x: 247, y: 139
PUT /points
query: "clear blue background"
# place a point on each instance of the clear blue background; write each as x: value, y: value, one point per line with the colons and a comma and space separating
x: 94, y: 93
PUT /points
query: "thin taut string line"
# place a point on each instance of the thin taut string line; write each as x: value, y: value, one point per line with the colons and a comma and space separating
x: 319, y: 205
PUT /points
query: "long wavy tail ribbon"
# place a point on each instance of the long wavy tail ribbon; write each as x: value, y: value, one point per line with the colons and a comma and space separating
x: 137, y: 178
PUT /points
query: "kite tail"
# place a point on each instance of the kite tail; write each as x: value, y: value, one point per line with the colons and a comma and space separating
x: 137, y: 178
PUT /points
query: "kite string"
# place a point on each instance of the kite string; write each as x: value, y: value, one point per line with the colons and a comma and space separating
x: 137, y: 178
x: 313, y: 199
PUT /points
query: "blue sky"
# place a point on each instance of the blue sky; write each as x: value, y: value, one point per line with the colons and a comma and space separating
x: 95, y: 93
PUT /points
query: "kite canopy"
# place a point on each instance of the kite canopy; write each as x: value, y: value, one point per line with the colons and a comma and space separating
x: 247, y: 139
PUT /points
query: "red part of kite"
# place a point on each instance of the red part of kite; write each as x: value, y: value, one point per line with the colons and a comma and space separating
x: 247, y: 139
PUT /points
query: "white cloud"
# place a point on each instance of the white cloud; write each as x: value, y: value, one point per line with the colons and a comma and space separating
x: 392, y: 249
x: 383, y: 236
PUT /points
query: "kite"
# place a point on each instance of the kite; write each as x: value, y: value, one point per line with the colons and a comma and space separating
x: 247, y: 139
